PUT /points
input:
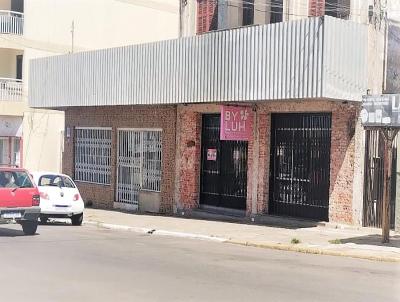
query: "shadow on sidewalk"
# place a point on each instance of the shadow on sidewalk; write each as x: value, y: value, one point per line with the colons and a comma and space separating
x: 259, y: 220
x: 6, y: 232
x: 373, y: 240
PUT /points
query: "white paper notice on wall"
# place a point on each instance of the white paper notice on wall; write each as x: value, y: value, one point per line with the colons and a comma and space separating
x: 212, y: 154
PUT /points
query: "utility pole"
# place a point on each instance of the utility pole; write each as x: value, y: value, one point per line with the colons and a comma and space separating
x: 382, y: 113
x: 385, y: 52
x: 388, y: 136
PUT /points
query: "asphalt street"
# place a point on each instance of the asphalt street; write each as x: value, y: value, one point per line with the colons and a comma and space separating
x: 66, y: 263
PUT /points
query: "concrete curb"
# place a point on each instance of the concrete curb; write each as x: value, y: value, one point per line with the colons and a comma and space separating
x: 117, y: 227
x: 306, y: 249
x: 155, y: 232
x: 316, y: 251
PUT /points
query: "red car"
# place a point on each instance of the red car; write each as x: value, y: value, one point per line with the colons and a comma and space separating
x: 19, y: 199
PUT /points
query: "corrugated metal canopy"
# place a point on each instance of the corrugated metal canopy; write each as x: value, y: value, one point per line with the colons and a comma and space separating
x: 320, y: 57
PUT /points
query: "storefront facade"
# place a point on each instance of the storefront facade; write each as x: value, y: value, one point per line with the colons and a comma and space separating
x: 122, y: 157
x: 299, y: 156
x: 299, y: 160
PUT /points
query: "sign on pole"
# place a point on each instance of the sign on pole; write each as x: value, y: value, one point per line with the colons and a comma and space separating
x: 382, y: 112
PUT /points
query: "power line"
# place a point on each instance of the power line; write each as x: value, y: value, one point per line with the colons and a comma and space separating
x: 273, y: 7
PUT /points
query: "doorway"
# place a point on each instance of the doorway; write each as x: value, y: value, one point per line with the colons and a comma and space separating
x: 223, y: 168
x: 300, y: 165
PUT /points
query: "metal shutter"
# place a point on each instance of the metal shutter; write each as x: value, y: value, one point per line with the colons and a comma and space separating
x: 206, y: 15
x: 316, y: 8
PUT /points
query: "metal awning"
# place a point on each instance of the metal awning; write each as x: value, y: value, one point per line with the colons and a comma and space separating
x: 321, y: 57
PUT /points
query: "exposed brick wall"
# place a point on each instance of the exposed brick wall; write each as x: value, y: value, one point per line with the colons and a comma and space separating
x: 263, y: 162
x: 161, y: 117
x: 342, y: 152
x: 358, y: 182
x: 251, y: 167
x: 342, y: 164
x: 190, y: 157
x: 187, y: 153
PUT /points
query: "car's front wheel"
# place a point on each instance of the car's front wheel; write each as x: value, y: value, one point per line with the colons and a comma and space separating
x: 29, y: 227
x: 77, y: 219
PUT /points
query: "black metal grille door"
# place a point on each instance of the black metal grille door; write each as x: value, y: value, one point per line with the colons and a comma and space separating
x: 373, y: 182
x: 223, y: 168
x: 300, y: 165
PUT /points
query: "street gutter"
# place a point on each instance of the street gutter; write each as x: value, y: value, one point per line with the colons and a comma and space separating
x: 329, y: 249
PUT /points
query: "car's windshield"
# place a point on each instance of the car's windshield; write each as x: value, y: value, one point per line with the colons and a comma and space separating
x: 55, y: 181
x: 15, y: 179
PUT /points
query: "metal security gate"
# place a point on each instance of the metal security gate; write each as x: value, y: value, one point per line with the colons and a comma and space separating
x: 223, y: 168
x: 373, y: 180
x: 300, y: 165
x: 138, y: 164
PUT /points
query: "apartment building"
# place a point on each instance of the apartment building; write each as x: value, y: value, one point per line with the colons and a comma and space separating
x: 11, y: 87
x: 253, y: 111
x: 33, y: 138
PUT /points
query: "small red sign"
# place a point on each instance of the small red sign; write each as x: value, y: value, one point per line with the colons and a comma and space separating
x: 236, y: 123
x: 212, y: 154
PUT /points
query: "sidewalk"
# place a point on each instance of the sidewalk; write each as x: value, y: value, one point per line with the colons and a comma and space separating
x: 316, y: 239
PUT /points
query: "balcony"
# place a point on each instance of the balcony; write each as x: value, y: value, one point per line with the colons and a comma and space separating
x: 11, y: 90
x: 11, y: 22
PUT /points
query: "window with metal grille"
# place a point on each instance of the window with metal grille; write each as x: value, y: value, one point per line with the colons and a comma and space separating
x: 139, y: 162
x: 248, y: 12
x: 334, y: 8
x: 152, y: 149
x: 207, y: 15
x: 276, y: 11
x: 93, y: 155
x: 316, y: 8
x: 338, y: 8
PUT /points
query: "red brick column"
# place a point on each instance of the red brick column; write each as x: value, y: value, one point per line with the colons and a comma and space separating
x: 256, y: 166
x: 190, y: 158
x: 252, y: 164
x: 264, y: 132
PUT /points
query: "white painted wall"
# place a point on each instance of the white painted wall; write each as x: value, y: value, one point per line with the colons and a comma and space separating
x: 101, y: 23
x: 5, y: 4
x: 8, y: 62
x: 98, y: 24
x: 42, y: 140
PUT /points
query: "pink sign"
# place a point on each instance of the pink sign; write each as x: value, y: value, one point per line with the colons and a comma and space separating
x: 236, y: 123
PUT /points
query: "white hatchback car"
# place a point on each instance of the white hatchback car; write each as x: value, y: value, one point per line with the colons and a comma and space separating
x: 59, y: 197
